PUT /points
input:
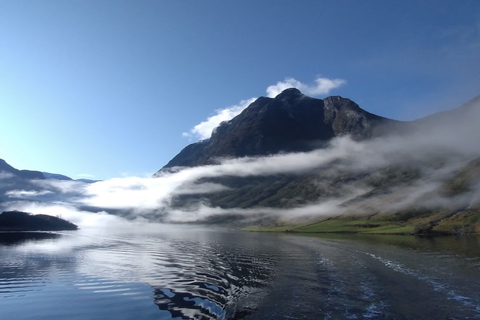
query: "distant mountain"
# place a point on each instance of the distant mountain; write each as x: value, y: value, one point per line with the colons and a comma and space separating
x: 24, y: 174
x: 29, y: 185
x: 30, y: 174
x: 87, y: 180
x: 35, y: 175
x: 290, y: 122
x: 55, y: 176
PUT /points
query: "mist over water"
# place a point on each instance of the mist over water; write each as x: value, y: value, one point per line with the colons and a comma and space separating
x: 181, y: 272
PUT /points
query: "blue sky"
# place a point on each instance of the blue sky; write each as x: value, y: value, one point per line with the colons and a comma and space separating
x: 104, y: 89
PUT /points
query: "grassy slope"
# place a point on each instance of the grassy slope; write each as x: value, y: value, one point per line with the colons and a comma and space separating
x: 415, y: 220
x: 465, y: 222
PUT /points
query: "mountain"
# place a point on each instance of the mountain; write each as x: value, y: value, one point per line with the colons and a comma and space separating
x: 55, y: 176
x: 383, y: 176
x: 29, y: 185
x: 23, y: 174
x: 30, y: 174
x: 290, y: 122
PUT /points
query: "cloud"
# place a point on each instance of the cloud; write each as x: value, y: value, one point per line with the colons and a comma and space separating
x: 204, y: 129
x: 70, y: 212
x: 322, y: 86
x: 205, y: 213
x: 62, y: 186
x: 26, y: 193
x: 6, y: 175
x: 129, y: 193
x: 143, y: 194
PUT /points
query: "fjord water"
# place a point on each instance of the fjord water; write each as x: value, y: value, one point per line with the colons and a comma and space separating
x: 182, y: 272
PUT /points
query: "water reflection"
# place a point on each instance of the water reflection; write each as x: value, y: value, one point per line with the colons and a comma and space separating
x: 224, y: 284
x: 165, y: 272
x: 466, y: 248
x: 214, y: 279
x: 193, y: 273
x: 17, y: 238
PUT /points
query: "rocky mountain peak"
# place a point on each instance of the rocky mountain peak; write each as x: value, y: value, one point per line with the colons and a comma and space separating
x: 289, y: 94
x: 290, y: 122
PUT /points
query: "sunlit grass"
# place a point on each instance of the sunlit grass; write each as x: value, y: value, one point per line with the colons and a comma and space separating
x: 435, y: 222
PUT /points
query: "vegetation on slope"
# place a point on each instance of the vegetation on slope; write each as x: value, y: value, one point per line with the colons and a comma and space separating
x: 465, y: 222
x: 457, y: 210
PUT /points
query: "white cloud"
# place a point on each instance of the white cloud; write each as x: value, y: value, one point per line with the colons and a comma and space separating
x: 69, y: 211
x: 321, y: 86
x: 26, y: 193
x: 6, y: 175
x: 143, y: 195
x: 204, y: 129
x: 140, y: 194
x: 129, y: 193
x: 62, y: 186
x: 203, y: 213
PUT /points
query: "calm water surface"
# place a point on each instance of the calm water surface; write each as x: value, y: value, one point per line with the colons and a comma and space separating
x: 172, y: 272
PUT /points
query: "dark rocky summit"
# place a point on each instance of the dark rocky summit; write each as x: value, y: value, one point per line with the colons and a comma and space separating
x: 23, y: 221
x: 290, y: 122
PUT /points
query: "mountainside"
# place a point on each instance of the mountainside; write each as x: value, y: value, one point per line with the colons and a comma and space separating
x: 374, y: 174
x: 290, y: 122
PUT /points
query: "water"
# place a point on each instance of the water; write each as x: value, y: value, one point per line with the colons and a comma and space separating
x: 181, y: 272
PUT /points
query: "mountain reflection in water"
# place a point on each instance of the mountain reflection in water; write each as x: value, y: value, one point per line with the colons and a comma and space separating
x: 16, y: 238
x: 182, y: 272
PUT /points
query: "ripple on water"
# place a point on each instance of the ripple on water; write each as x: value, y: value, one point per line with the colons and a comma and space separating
x: 216, y: 275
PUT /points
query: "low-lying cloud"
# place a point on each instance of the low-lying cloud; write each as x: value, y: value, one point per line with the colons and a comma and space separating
x: 69, y: 211
x: 26, y: 193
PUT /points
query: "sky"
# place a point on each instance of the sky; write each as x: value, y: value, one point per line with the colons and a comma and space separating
x: 104, y: 89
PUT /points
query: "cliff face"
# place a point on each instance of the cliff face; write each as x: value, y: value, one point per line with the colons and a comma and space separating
x: 287, y: 123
